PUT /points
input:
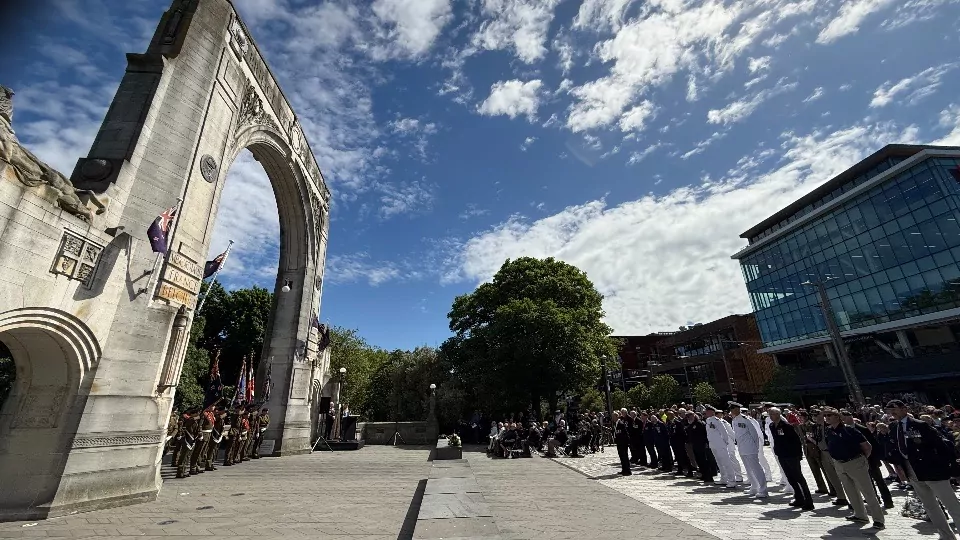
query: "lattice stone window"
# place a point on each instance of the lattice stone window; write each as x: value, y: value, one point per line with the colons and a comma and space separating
x: 77, y: 259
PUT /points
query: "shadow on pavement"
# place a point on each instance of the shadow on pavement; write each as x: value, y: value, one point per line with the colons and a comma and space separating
x: 410, y: 520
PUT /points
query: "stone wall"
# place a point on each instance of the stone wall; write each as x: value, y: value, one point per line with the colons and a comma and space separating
x: 410, y: 432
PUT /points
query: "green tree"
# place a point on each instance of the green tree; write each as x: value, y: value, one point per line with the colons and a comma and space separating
x: 235, y: 323
x: 196, y: 370
x: 619, y: 399
x: 362, y: 361
x: 8, y: 373
x: 664, y: 391
x: 639, y: 396
x: 536, y: 329
x: 704, y: 392
x: 780, y: 387
x: 592, y: 399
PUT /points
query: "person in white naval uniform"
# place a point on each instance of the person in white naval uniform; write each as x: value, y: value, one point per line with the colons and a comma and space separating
x: 732, y: 451
x: 761, y: 456
x: 787, y: 489
x: 749, y: 446
x: 718, y: 438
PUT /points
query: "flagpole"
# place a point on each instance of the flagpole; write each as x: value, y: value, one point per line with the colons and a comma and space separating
x: 203, y: 300
x: 154, y: 278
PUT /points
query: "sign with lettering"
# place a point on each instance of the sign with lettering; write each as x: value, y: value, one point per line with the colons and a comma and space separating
x: 185, y: 264
x: 175, y: 276
x: 267, y: 446
x: 176, y: 294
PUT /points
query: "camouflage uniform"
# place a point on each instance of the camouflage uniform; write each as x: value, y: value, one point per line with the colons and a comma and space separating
x: 263, y: 421
x: 215, y: 437
x: 189, y: 440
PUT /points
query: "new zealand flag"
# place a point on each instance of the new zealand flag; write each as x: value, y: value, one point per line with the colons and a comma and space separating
x: 213, y: 266
x: 159, y: 230
x: 214, y: 386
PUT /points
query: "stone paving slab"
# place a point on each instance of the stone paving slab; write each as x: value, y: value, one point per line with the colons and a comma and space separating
x: 730, y: 515
x: 457, y: 529
x: 451, y: 485
x: 365, y: 494
x: 534, y: 499
x: 453, y: 505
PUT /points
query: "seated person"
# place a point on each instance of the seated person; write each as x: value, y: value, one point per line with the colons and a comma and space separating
x: 509, y: 441
x: 532, y: 440
x: 559, y: 439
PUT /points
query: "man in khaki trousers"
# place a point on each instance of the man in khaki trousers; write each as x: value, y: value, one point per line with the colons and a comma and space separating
x: 826, y: 462
x: 849, y: 451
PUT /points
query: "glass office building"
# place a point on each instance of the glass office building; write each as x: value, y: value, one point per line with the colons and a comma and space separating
x: 883, y: 237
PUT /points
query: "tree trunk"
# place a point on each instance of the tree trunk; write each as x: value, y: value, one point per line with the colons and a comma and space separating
x: 535, y: 403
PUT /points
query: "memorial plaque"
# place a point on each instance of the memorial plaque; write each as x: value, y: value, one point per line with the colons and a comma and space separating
x: 301, y: 383
x: 186, y: 265
x: 173, y: 293
x: 175, y: 276
x: 266, y: 447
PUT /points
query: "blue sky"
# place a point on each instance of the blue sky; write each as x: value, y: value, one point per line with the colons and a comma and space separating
x: 633, y: 139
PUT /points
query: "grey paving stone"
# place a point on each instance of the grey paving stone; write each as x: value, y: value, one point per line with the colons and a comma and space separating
x: 452, y: 485
x: 453, y: 505
x: 462, y: 528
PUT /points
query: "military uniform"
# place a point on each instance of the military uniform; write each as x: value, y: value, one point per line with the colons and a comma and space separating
x: 263, y: 421
x: 240, y: 441
x: 234, y: 438
x: 173, y: 427
x: 245, y: 451
x: 175, y: 441
x: 215, y: 437
x: 191, y: 434
x: 206, y: 420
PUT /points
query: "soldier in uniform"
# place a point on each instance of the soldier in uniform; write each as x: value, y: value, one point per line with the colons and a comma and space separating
x: 812, y: 452
x: 215, y: 437
x: 638, y: 455
x: 233, y: 435
x: 252, y: 419
x: 718, y: 438
x: 243, y: 434
x: 748, y: 444
x: 621, y: 436
x: 173, y: 427
x: 263, y: 421
x: 190, y: 435
x: 207, y: 419
x: 175, y: 442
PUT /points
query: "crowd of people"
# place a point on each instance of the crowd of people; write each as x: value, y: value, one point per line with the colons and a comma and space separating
x: 853, y: 453
x: 195, y: 437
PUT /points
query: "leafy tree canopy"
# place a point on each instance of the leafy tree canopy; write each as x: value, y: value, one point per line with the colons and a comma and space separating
x: 664, y: 391
x: 532, y: 332
x: 779, y: 388
x: 704, y: 392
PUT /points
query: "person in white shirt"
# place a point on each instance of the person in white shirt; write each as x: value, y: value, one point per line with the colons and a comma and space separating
x: 746, y: 431
x: 719, y: 438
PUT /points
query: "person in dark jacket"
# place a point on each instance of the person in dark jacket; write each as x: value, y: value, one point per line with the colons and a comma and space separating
x: 874, y: 460
x: 788, y: 447
x: 649, y: 432
x: 621, y: 436
x: 678, y: 439
x: 696, y: 435
x: 638, y: 455
x: 661, y: 439
x: 925, y: 457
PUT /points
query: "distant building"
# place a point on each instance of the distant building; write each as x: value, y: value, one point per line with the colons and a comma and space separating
x: 884, y: 239
x: 702, y: 353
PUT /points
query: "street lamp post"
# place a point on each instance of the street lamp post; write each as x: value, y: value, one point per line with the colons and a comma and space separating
x: 726, y: 365
x: 686, y: 376
x: 606, y: 387
x: 337, y: 420
x: 853, y: 385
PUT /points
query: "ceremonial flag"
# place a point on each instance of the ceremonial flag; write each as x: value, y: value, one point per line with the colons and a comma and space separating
x: 160, y: 229
x: 214, y: 387
x: 214, y: 266
x: 267, y: 383
x: 250, y: 384
x: 240, y: 394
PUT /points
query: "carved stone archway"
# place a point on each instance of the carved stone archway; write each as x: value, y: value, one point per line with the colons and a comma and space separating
x: 184, y: 109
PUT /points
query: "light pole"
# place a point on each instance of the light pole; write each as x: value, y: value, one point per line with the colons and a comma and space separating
x: 726, y: 365
x: 337, y: 421
x: 686, y: 376
x: 606, y: 387
x: 853, y: 385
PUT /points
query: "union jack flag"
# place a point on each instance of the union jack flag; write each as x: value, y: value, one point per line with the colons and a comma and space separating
x: 212, y: 267
x: 159, y: 230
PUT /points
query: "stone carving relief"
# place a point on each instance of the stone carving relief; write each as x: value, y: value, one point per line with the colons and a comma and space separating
x: 33, y: 173
x: 102, y: 440
x: 208, y: 168
x: 238, y: 39
x: 40, y: 408
x: 296, y: 139
x: 77, y: 258
x: 252, y: 111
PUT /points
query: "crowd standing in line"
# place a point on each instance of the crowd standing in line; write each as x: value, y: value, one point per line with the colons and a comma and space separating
x: 196, y: 436
x: 847, y: 451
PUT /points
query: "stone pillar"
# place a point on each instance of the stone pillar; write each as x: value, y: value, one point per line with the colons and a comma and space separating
x: 905, y: 343
x: 433, y: 426
x: 176, y: 350
x: 828, y: 348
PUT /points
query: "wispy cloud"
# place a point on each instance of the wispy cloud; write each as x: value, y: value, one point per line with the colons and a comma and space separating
x: 912, y: 88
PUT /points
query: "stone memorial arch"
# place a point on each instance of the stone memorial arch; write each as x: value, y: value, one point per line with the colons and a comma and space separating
x: 97, y: 329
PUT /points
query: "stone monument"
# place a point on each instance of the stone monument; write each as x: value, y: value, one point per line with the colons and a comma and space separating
x: 97, y: 323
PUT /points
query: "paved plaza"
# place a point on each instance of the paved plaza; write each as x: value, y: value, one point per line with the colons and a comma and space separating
x: 375, y: 493
x: 730, y: 515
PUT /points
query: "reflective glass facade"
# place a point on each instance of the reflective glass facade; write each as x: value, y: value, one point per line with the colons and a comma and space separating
x: 890, y: 253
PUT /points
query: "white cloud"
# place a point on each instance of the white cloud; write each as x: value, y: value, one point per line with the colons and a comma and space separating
x: 413, y: 25
x: 852, y: 14
x: 759, y: 65
x: 703, y: 145
x: 911, y: 11
x: 666, y: 38
x: 520, y: 25
x: 673, y: 247
x: 738, y: 110
x: 358, y: 267
x: 918, y: 86
x: 637, y: 157
x: 412, y: 125
x: 527, y: 143
x: 405, y: 198
x: 601, y: 14
x: 513, y: 98
x: 817, y: 94
x: 473, y: 211
x: 636, y: 118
